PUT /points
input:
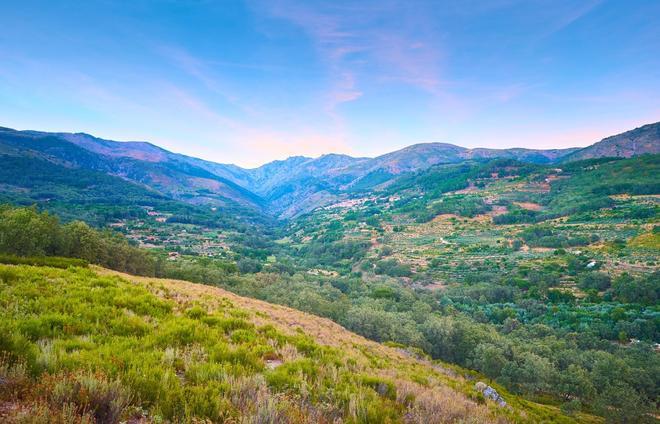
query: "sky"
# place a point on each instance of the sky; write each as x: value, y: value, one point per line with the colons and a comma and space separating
x: 252, y: 81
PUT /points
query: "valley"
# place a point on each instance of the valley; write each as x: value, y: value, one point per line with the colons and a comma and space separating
x: 431, y: 268
x: 330, y: 212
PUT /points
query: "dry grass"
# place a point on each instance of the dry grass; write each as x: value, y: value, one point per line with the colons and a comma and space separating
x: 436, y: 393
x: 287, y: 320
x: 434, y: 403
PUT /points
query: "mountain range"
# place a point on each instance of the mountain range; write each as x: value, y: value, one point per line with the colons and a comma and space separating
x: 283, y: 188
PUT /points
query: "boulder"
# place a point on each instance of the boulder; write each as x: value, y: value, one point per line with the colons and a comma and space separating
x: 490, y: 393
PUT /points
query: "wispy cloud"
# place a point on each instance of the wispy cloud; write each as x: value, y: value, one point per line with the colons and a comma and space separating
x: 569, y: 14
x: 198, y: 69
x: 367, y: 42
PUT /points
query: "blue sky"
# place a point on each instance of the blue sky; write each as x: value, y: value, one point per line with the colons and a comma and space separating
x: 252, y: 81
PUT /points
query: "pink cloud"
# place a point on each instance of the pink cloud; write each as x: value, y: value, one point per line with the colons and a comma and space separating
x: 250, y: 144
x: 274, y: 144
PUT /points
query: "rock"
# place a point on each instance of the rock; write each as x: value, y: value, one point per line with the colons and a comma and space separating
x: 490, y: 393
x: 481, y: 386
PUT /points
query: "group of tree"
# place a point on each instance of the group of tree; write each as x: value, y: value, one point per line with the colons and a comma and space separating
x: 28, y: 232
x: 574, y: 365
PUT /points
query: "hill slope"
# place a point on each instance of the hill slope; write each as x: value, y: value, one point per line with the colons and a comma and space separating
x: 73, y: 193
x: 95, y: 344
x: 640, y: 141
x: 298, y: 185
x: 175, y: 176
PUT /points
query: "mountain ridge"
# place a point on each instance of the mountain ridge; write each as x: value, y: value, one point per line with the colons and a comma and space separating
x: 289, y: 187
x: 638, y: 141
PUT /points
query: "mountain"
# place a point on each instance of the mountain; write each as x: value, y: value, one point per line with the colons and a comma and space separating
x: 72, y: 193
x: 274, y: 174
x: 640, y: 141
x: 176, y: 176
x: 300, y: 184
x: 283, y: 188
x: 422, y: 156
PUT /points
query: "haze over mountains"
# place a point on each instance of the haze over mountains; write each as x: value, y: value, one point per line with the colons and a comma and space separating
x: 283, y: 188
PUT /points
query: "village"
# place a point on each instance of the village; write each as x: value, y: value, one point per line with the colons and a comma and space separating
x: 155, y: 232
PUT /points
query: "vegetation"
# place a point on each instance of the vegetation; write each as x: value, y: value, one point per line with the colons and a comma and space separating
x: 543, y: 281
x: 83, y: 347
x: 99, y: 199
x: 26, y: 232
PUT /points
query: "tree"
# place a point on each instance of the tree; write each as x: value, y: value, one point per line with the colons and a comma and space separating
x: 489, y: 359
x: 594, y: 280
x: 26, y: 232
x: 641, y: 290
x: 81, y: 241
x: 575, y: 382
x: 248, y: 265
x: 620, y: 403
x: 528, y: 373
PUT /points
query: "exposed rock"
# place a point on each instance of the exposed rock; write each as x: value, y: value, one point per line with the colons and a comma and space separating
x: 490, y: 393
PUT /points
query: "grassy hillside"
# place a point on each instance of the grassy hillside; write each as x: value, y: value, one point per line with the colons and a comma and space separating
x: 90, y: 344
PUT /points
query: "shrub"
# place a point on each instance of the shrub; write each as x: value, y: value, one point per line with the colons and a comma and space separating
x: 381, y: 386
x: 106, y: 400
x: 290, y: 376
x: 53, y: 261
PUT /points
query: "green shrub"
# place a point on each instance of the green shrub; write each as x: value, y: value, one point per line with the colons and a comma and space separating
x: 53, y: 261
x: 290, y: 376
x: 381, y: 386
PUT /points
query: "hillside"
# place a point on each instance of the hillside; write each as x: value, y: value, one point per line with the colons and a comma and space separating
x: 72, y: 193
x: 298, y: 185
x: 640, y: 141
x: 171, y: 175
x: 95, y: 344
x: 552, y: 268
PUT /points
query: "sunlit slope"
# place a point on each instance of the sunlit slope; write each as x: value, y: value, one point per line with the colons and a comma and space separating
x: 100, y: 345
